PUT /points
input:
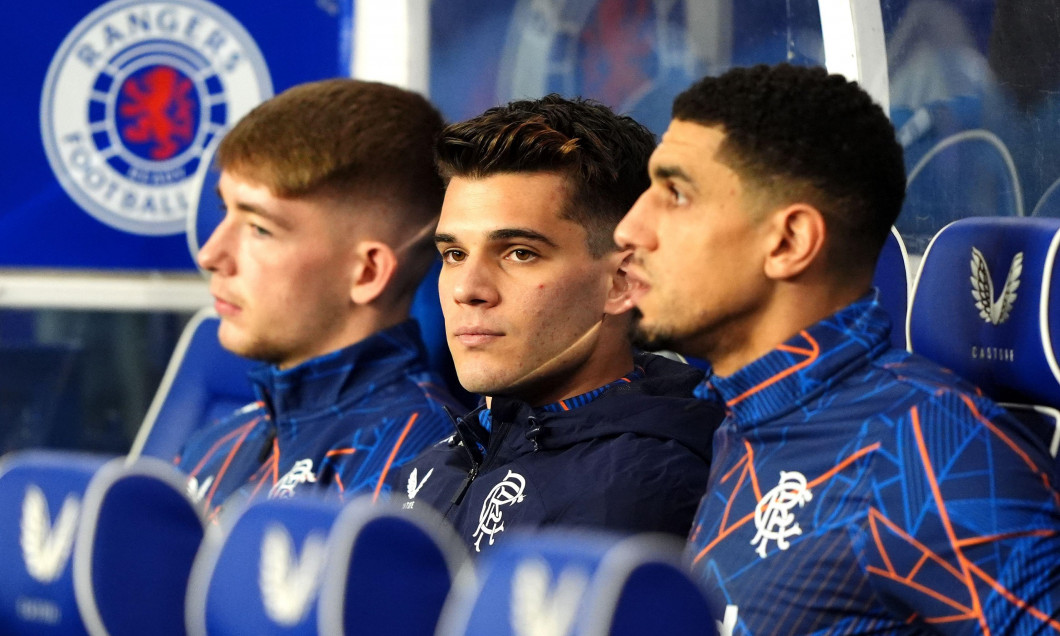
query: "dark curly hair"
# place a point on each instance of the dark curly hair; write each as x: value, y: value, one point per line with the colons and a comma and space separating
x: 604, y: 155
x: 796, y: 133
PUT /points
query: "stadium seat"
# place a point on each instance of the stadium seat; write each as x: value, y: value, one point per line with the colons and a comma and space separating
x: 577, y: 583
x: 389, y: 571
x: 42, y: 494
x: 892, y: 281
x: 259, y: 571
x: 136, y: 542
x: 984, y: 306
x: 203, y: 383
x: 94, y: 545
x: 307, y: 566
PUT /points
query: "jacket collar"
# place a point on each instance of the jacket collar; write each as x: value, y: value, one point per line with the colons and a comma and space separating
x: 799, y: 370
x: 340, y: 378
x: 658, y: 393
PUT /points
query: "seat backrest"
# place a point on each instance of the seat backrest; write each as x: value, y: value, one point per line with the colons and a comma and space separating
x: 892, y: 281
x: 261, y: 573
x: 94, y: 545
x: 579, y: 583
x: 42, y: 494
x: 984, y: 305
x: 389, y: 570
x: 306, y: 566
x: 136, y: 542
x: 203, y: 383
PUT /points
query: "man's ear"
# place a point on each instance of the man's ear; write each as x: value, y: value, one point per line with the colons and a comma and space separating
x: 618, y: 293
x: 374, y: 267
x: 797, y: 239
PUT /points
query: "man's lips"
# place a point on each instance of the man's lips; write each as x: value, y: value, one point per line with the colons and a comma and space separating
x: 476, y: 336
x: 638, y: 285
x: 224, y: 307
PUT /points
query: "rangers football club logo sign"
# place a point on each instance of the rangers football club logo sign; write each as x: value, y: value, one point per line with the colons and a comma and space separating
x: 134, y: 102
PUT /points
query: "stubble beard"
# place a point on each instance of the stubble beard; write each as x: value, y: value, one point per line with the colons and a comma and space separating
x: 650, y: 338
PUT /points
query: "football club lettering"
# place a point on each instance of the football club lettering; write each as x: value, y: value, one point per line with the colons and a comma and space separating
x: 491, y: 519
x: 136, y: 99
x: 774, y: 516
x: 300, y: 473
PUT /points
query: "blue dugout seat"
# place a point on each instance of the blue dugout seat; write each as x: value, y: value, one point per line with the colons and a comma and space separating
x: 581, y: 584
x: 94, y: 545
x: 204, y: 382
x: 892, y: 282
x: 308, y: 566
x: 985, y: 306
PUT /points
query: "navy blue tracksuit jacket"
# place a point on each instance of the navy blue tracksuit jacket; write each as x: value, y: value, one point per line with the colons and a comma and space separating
x: 631, y: 456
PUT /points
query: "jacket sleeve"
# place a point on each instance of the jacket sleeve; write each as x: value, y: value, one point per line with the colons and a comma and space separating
x: 972, y: 544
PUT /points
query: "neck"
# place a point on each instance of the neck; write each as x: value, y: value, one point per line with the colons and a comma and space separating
x: 795, y: 306
x: 588, y: 364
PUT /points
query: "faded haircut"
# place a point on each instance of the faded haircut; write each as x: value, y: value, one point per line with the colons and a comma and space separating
x: 799, y: 134
x: 341, y: 138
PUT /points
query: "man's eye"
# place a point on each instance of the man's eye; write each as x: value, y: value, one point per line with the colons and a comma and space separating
x: 257, y: 230
x: 678, y: 197
x: 453, y: 256
x: 522, y: 256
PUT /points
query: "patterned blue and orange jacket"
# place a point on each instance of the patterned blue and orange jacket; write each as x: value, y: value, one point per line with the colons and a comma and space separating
x: 335, y: 425
x: 858, y: 488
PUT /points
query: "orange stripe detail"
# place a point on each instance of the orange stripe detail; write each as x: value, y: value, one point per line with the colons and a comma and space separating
x: 875, y: 513
x: 944, y: 516
x: 393, y: 453
x: 340, y: 451
x: 858, y: 454
x: 1020, y: 603
x: 1001, y: 537
x: 243, y: 429
x: 812, y: 354
x: 563, y: 405
x: 274, y: 459
x: 966, y: 612
x: 1015, y: 448
x: 342, y: 487
x: 753, y: 473
x: 228, y: 460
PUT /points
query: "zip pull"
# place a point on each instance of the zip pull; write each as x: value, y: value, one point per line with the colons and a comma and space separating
x: 533, y: 432
x: 459, y: 496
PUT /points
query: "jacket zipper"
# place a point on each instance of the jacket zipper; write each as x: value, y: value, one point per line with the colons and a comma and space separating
x: 496, y: 438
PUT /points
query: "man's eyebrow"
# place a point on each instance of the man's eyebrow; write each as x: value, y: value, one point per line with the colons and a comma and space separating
x: 506, y: 234
x: 671, y: 172
x: 243, y: 206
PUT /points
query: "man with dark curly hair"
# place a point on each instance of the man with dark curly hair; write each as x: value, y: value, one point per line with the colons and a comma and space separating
x: 856, y: 488
x: 575, y: 429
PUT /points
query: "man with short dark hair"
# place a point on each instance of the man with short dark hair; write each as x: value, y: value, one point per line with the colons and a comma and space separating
x: 331, y: 198
x: 575, y: 429
x: 857, y: 488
